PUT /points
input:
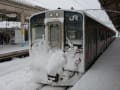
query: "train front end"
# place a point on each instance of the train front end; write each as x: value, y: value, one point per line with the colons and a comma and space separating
x: 57, y: 47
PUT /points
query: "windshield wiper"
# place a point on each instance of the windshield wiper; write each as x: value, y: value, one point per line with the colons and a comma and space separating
x: 69, y: 42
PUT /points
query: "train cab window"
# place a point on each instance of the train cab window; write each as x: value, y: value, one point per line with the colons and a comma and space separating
x: 37, y: 32
x: 37, y: 27
x: 73, y: 29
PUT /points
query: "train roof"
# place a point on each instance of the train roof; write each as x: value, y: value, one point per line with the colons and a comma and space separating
x: 56, y: 10
x: 99, y: 21
x: 79, y: 11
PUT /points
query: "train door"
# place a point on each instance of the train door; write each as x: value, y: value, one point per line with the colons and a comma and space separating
x: 55, y: 35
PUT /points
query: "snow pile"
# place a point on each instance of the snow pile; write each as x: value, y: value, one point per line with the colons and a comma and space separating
x: 39, y: 58
x: 32, y: 86
x: 17, y: 75
x: 72, y: 58
x: 39, y: 55
x: 55, y: 63
x: 16, y: 80
x: 45, y: 60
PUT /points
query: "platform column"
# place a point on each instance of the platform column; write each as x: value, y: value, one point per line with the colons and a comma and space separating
x: 23, y: 29
x: 118, y: 34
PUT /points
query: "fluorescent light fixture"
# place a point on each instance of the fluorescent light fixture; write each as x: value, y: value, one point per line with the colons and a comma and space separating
x: 11, y: 15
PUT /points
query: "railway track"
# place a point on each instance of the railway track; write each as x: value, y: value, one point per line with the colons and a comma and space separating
x: 10, y: 55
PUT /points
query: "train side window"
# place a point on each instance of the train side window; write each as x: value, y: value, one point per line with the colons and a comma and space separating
x: 37, y: 32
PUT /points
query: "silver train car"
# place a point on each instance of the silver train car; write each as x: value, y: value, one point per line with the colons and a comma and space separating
x: 79, y: 38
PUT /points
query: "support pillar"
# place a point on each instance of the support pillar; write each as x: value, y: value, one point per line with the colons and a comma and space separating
x: 23, y: 29
x: 118, y: 34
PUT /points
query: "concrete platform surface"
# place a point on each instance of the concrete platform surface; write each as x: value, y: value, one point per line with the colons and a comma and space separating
x: 105, y: 73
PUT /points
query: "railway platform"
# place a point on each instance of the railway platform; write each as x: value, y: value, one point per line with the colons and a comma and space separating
x: 10, y: 51
x: 105, y: 73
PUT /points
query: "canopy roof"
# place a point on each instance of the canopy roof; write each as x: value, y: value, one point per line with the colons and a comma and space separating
x: 112, y: 8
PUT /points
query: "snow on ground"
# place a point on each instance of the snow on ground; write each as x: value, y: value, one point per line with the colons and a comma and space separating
x: 11, y: 48
x: 16, y: 80
x: 45, y: 61
x: 16, y: 75
x: 14, y: 65
x: 105, y: 73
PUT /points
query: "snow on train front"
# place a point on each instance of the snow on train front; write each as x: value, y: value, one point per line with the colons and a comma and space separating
x: 57, y: 47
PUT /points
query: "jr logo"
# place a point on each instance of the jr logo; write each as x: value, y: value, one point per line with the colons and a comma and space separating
x: 73, y: 18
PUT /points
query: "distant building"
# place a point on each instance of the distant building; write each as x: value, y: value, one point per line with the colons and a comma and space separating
x: 14, y: 20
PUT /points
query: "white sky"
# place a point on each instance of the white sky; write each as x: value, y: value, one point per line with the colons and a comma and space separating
x: 77, y: 4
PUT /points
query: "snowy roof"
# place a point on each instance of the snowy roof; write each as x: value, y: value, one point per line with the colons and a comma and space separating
x: 87, y: 5
x: 77, y: 4
x: 23, y: 2
x: 28, y: 4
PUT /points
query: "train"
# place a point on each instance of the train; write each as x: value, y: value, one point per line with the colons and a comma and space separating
x: 64, y: 44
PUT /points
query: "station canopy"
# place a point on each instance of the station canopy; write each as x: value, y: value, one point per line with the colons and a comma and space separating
x: 92, y: 7
x: 112, y: 8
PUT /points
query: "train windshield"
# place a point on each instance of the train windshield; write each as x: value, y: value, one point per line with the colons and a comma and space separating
x: 37, y: 27
x: 54, y: 34
x: 73, y: 29
x: 37, y: 32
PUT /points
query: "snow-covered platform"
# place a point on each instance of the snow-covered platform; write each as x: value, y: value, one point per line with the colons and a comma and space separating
x: 8, y: 50
x: 16, y: 75
x: 11, y: 48
x: 105, y: 73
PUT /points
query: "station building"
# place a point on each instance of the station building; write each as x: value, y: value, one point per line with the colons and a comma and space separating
x: 14, y: 21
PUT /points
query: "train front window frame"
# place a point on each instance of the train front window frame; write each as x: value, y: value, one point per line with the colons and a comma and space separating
x: 37, y: 32
x: 73, y: 25
x: 54, y: 34
x: 37, y: 27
